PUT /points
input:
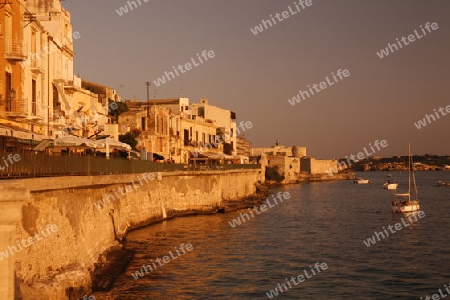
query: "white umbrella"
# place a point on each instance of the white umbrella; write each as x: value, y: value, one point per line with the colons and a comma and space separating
x: 113, y: 144
x: 74, y: 141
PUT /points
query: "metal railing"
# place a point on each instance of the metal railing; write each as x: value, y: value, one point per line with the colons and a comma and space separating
x: 31, y: 165
x: 16, y: 50
x: 224, y: 167
x: 16, y: 107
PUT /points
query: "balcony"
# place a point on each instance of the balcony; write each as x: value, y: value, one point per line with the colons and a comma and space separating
x: 59, y: 120
x: 58, y: 77
x: 72, y: 86
x: 37, y: 65
x: 15, y: 50
x: 59, y: 115
x: 16, y: 108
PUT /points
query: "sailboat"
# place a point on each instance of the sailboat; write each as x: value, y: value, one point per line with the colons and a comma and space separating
x: 403, y: 202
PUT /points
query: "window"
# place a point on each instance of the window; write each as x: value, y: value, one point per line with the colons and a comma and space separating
x: 8, y: 87
x: 143, y: 124
x: 186, y: 137
x: 33, y: 97
x: 8, y: 28
x: 33, y: 42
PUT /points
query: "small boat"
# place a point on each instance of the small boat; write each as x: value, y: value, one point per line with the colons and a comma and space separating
x: 389, y: 175
x: 443, y: 183
x: 390, y: 185
x: 403, y: 203
x: 361, y: 181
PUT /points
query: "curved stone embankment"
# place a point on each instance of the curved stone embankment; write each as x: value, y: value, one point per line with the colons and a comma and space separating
x: 59, y: 265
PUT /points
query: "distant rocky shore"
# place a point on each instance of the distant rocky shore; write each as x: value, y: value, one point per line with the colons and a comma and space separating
x: 400, y: 163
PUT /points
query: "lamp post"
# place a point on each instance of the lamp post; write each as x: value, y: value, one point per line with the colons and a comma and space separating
x: 148, y: 84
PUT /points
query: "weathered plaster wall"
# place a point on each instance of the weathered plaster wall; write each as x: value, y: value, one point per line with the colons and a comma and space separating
x: 64, y: 258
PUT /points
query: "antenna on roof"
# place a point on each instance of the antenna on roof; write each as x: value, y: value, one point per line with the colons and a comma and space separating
x: 32, y: 17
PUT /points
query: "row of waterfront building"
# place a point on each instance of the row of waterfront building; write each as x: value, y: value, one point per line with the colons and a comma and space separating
x: 41, y: 98
x: 183, y: 131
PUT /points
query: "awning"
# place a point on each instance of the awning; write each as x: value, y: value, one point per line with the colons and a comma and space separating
x: 17, y: 132
x: 60, y: 88
x: 44, y: 144
x: 27, y: 142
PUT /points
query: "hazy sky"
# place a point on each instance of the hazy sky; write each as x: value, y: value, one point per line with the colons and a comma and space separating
x: 255, y: 75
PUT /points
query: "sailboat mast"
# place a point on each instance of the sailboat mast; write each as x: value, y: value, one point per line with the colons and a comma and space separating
x: 409, y: 171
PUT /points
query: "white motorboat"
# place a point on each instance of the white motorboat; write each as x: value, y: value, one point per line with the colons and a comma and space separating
x: 390, y: 185
x: 403, y: 203
x: 361, y: 181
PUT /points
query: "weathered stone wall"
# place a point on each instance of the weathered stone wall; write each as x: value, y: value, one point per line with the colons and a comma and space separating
x: 316, y: 166
x: 63, y: 259
x: 289, y: 167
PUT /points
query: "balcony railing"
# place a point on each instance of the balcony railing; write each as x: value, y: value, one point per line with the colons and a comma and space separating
x: 15, y: 50
x: 37, y: 65
x: 72, y: 85
x: 16, y: 107
x: 58, y: 115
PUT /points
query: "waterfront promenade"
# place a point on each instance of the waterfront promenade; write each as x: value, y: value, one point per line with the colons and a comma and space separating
x: 41, y: 165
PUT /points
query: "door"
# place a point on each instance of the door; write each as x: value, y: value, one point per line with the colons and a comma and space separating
x: 33, y: 97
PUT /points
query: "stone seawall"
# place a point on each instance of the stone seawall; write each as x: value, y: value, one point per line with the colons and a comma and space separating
x: 63, y: 260
x: 325, y: 177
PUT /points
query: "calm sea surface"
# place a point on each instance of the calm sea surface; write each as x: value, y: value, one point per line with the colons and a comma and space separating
x: 321, y: 222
